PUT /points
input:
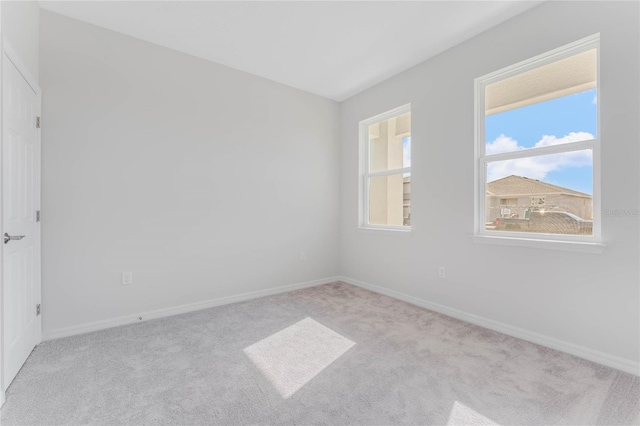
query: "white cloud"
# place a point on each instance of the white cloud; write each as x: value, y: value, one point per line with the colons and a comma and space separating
x: 537, y: 167
x: 571, y: 137
x: 595, y: 100
x: 502, y: 144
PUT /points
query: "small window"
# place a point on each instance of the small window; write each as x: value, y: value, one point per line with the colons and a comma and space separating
x: 538, y: 145
x: 386, y: 170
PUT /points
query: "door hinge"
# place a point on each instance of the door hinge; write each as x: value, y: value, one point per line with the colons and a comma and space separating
x: 37, y: 215
x: 37, y: 122
x: 38, y: 309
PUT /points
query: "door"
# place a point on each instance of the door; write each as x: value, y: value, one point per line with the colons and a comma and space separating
x: 20, y: 220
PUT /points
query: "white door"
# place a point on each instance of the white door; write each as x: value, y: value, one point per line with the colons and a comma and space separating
x: 20, y: 223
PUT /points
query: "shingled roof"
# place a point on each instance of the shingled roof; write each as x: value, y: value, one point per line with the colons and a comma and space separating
x: 512, y: 185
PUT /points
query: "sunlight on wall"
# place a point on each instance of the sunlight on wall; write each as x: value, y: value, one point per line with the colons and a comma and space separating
x: 463, y: 415
x: 295, y: 355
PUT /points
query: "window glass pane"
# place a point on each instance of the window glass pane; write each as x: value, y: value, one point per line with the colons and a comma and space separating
x: 406, y: 199
x: 387, y: 148
x: 573, y: 74
x: 390, y: 200
x: 568, y: 119
x: 543, y: 194
x: 548, y: 105
x: 406, y: 151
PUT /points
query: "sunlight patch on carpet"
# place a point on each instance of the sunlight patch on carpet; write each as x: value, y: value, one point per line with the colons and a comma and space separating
x: 463, y: 415
x: 293, y: 356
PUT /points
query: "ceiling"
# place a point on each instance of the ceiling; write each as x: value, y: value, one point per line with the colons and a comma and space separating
x: 334, y: 49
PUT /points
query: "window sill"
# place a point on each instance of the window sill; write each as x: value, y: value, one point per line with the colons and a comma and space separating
x: 575, y: 246
x: 399, y: 232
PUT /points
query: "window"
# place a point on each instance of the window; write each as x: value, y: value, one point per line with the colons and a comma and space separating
x: 386, y: 170
x: 538, y: 147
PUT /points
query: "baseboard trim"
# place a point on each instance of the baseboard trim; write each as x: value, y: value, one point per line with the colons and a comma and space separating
x: 181, y: 309
x: 623, y: 364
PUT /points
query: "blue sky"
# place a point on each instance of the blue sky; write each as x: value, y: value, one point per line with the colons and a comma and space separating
x: 406, y: 151
x: 568, y: 119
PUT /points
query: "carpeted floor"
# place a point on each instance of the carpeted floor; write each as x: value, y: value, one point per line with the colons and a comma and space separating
x: 406, y: 365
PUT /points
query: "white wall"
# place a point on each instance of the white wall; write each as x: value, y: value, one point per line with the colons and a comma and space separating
x: 207, y: 182
x: 20, y: 27
x: 203, y: 181
x: 588, y: 300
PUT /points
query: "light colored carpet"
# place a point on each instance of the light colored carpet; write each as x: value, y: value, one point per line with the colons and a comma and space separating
x: 292, y: 357
x: 407, y: 366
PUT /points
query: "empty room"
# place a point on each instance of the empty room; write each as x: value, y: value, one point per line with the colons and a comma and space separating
x: 320, y: 212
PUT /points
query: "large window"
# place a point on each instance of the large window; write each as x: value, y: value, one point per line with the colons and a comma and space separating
x: 386, y: 170
x: 538, y: 147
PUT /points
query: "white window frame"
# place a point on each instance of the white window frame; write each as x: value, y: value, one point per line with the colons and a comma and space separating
x: 365, y: 174
x: 584, y: 243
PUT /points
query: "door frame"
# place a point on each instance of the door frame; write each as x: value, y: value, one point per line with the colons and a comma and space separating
x: 8, y: 53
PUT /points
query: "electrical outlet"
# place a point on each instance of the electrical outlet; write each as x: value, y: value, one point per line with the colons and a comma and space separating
x: 442, y: 273
x: 127, y: 278
x: 303, y: 256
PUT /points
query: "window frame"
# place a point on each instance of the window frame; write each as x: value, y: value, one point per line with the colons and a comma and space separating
x: 589, y: 243
x: 365, y: 175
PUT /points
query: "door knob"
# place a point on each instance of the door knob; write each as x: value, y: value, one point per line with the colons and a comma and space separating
x: 8, y: 237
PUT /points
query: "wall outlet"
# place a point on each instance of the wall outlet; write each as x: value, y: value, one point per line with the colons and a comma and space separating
x: 127, y: 278
x: 442, y: 273
x: 303, y: 256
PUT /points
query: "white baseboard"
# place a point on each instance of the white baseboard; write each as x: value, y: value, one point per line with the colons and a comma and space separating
x: 623, y: 364
x: 181, y: 309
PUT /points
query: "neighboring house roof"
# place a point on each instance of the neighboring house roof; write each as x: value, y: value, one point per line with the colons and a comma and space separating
x: 519, y: 185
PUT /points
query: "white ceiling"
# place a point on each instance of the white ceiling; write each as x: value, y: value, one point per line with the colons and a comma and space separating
x: 334, y: 49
